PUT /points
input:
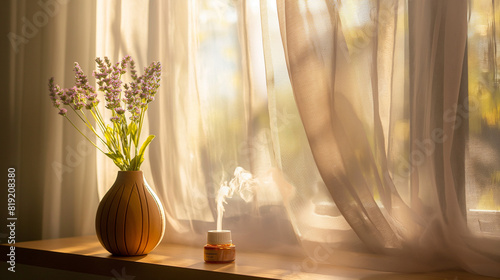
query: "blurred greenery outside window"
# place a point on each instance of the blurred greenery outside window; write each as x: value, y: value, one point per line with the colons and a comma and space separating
x: 483, y: 158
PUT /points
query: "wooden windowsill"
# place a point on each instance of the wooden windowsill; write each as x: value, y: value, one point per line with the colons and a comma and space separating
x: 86, y: 255
x: 172, y: 261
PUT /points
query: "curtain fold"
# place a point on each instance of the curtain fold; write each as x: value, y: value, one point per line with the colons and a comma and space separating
x: 349, y: 126
x: 48, y: 155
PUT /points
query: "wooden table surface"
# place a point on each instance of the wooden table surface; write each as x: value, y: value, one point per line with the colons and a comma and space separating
x: 172, y: 261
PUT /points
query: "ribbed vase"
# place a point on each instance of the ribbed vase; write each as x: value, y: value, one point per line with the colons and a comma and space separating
x: 130, y: 219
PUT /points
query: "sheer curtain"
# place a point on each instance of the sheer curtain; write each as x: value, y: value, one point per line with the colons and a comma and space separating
x: 55, y: 167
x: 345, y: 112
x: 359, y: 96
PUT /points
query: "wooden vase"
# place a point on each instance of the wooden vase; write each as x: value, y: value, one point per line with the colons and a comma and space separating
x: 130, y: 219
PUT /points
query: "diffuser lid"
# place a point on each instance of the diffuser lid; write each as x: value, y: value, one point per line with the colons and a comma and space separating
x: 218, y: 237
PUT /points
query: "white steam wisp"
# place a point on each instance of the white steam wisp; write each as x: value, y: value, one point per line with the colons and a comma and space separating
x: 242, y: 183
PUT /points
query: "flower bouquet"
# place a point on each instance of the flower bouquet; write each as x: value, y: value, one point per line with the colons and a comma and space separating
x: 120, y: 137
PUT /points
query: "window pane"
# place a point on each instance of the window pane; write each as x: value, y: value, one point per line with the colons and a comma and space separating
x: 483, y: 159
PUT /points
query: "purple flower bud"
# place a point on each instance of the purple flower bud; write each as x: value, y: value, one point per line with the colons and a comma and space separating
x: 63, y: 112
x: 115, y: 119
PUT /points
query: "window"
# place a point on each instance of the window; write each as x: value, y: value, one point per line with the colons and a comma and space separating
x: 482, y: 163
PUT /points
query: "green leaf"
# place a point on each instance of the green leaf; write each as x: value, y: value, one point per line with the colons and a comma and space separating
x: 116, y: 127
x: 145, y: 144
x: 111, y: 155
x: 135, y: 132
x: 125, y: 150
x: 117, y: 159
x: 132, y: 129
x: 136, y: 162
x: 124, y: 127
x: 108, y: 134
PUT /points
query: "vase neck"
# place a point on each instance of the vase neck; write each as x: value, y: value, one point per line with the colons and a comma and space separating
x: 129, y: 176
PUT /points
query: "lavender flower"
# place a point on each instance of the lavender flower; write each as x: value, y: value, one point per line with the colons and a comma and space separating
x: 109, y: 80
x: 81, y: 78
x: 142, y: 90
x: 55, y: 93
x: 66, y: 96
x: 137, y: 95
x: 115, y: 119
x: 63, y: 112
x: 133, y: 72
